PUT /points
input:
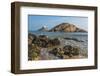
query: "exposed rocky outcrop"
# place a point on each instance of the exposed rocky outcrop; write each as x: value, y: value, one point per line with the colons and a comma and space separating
x: 42, y: 47
x: 67, y: 51
x: 31, y: 38
x: 71, y: 50
x: 35, y: 43
x: 66, y: 27
x: 42, y: 41
x: 33, y: 52
x: 57, y: 52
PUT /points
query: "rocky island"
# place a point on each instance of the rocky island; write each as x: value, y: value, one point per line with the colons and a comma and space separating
x: 66, y: 27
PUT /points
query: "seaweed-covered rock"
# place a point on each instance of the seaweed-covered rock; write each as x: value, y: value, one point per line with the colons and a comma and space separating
x: 42, y: 41
x: 65, y: 52
x: 56, y: 41
x: 54, y: 51
x: 71, y: 50
x: 76, y: 51
x: 57, y: 52
x: 43, y: 37
x: 53, y: 42
x: 33, y: 52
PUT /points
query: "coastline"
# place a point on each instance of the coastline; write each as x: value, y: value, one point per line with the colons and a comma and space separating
x: 47, y: 53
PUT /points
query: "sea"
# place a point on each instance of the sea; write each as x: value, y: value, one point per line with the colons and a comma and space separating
x: 83, y: 36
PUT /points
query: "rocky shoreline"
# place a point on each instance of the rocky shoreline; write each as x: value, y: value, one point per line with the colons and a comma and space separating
x: 43, y: 48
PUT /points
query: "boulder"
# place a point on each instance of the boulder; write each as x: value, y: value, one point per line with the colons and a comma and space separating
x: 71, y: 50
x: 57, y: 52
x: 53, y: 42
x: 31, y: 38
x: 56, y: 41
x: 76, y: 51
x: 43, y: 37
x: 33, y: 52
x: 67, y: 50
x: 42, y: 41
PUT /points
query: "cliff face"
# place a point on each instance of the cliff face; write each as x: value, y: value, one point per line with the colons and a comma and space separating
x: 66, y: 27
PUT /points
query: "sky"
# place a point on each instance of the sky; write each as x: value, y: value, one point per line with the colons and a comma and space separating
x: 36, y: 22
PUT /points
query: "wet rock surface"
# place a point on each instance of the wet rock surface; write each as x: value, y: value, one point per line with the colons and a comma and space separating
x: 36, y: 45
x: 67, y: 50
x: 42, y: 41
x: 33, y: 52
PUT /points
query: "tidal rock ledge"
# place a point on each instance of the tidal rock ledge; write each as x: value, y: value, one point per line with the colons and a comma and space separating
x: 42, y: 41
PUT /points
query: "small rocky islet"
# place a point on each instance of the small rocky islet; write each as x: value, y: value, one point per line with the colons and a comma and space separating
x: 42, y: 47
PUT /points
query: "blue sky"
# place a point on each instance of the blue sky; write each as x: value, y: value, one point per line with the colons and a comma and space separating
x: 35, y: 22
